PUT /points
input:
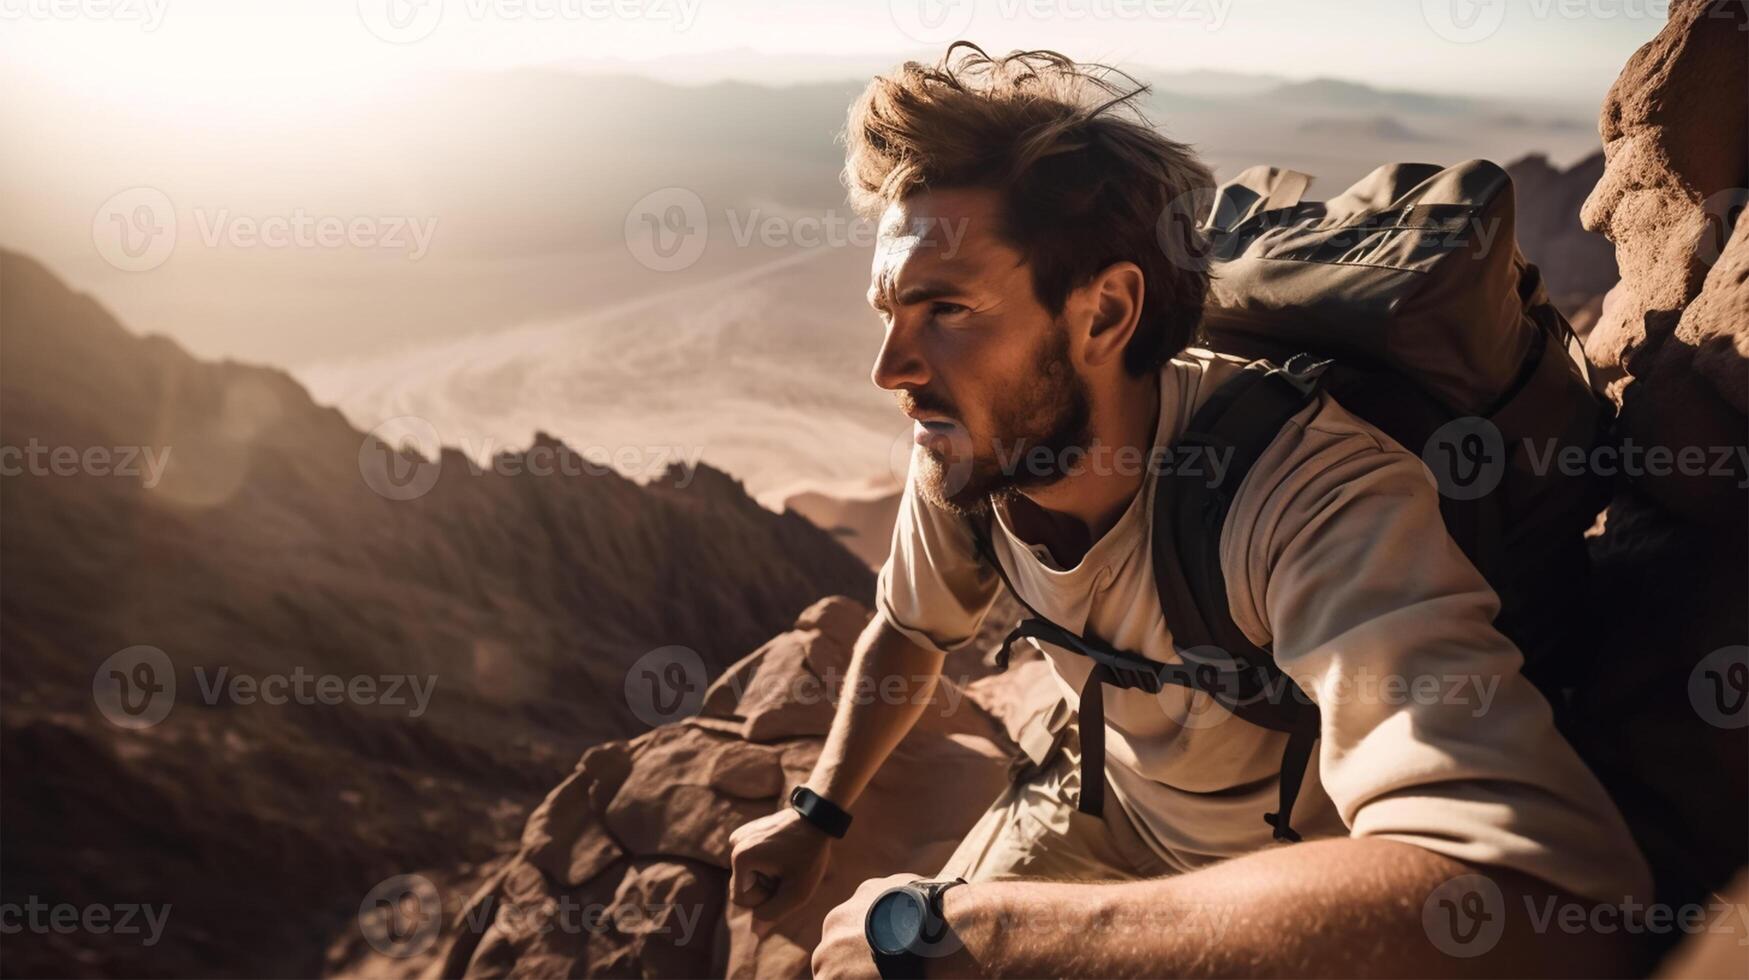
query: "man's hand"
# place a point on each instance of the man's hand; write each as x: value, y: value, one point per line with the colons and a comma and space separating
x: 843, y: 951
x: 775, y: 864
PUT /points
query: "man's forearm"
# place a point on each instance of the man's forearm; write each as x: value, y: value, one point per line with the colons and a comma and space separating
x: 871, y: 721
x: 1289, y: 911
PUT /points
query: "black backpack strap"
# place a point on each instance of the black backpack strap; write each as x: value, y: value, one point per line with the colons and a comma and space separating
x: 1092, y: 733
x: 1238, y: 421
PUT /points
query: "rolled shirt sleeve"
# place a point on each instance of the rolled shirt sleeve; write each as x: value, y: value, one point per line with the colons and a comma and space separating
x: 1430, y: 733
x: 933, y: 587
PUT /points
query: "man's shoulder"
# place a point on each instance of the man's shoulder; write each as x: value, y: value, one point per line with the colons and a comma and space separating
x: 1188, y: 379
x: 1196, y: 373
x: 1202, y: 368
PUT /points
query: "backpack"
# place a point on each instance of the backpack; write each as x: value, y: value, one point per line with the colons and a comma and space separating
x: 1407, y: 299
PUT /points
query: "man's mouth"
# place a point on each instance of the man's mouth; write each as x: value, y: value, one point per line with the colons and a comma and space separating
x: 931, y: 432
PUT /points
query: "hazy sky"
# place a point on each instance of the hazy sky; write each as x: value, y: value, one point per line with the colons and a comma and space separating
x: 305, y: 50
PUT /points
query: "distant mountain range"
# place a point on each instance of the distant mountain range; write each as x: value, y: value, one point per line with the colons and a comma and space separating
x: 1383, y: 128
x: 259, y: 544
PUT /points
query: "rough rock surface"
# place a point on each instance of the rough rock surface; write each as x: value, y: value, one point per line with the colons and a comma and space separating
x: 639, y: 831
x: 1676, y: 144
x: 1671, y: 569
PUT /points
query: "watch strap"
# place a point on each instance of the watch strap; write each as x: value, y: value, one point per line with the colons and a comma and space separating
x: 934, y: 889
x: 828, y: 816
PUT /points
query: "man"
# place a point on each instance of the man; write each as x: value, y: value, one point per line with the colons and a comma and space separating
x: 1036, y: 330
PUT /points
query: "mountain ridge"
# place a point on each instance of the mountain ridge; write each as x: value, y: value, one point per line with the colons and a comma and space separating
x: 524, y: 605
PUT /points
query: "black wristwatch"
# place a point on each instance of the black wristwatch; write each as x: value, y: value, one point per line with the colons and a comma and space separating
x: 905, y: 927
x: 819, y: 811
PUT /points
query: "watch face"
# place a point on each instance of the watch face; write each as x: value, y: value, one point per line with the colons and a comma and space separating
x: 895, y: 921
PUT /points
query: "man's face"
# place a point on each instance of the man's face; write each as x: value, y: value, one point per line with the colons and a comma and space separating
x: 982, y: 367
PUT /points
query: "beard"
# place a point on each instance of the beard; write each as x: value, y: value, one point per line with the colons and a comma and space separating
x: 1039, y: 422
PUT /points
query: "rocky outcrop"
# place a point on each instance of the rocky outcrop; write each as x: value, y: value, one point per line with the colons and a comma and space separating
x: 517, y: 600
x: 1676, y: 140
x: 639, y: 831
x: 1670, y: 610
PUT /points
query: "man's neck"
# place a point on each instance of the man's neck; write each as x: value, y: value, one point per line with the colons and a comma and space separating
x: 1070, y: 515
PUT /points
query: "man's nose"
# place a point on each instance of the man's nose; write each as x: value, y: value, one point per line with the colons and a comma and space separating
x: 899, y: 365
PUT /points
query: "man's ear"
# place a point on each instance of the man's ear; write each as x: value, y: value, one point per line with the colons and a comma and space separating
x: 1113, y: 299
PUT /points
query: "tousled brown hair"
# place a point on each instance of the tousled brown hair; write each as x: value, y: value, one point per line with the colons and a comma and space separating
x: 1085, y: 181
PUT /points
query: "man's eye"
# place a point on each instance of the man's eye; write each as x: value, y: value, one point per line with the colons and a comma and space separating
x: 948, y: 309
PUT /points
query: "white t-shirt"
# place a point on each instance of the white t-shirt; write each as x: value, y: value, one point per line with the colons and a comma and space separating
x: 1334, y: 551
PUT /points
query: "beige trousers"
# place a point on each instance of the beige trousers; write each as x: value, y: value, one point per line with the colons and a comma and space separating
x: 1033, y: 830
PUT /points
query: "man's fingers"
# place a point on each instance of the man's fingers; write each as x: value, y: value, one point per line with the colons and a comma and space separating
x: 753, y: 887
